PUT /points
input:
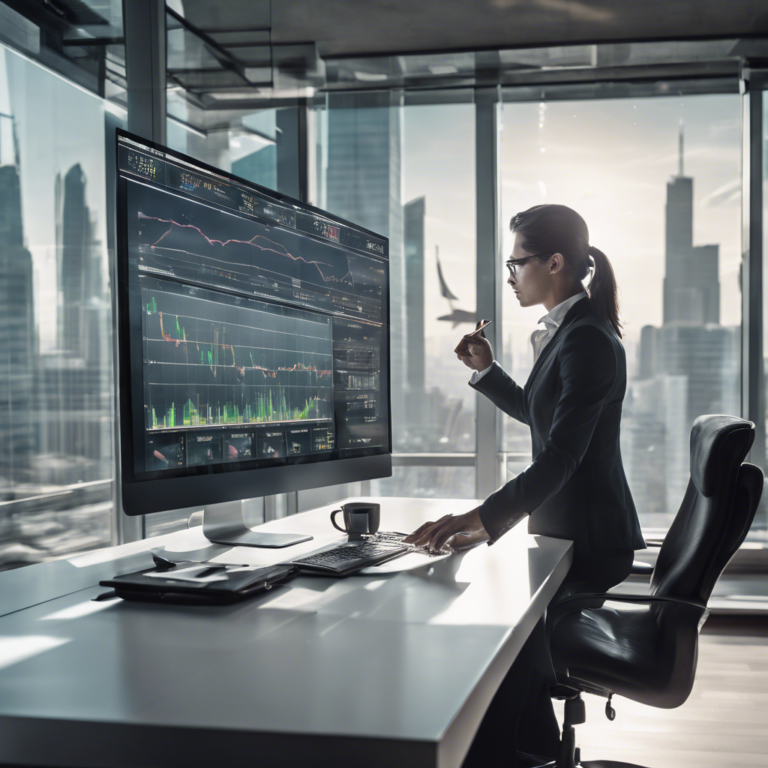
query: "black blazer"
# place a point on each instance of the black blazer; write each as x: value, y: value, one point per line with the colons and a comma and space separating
x: 576, y: 487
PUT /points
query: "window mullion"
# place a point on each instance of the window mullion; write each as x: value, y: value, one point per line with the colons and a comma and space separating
x: 488, y: 285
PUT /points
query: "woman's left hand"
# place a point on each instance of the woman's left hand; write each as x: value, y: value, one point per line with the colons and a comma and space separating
x: 468, y: 528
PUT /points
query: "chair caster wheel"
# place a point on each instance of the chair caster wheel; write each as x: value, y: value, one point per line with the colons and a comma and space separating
x: 610, y: 712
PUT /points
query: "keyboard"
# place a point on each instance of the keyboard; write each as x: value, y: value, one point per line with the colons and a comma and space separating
x: 342, y: 559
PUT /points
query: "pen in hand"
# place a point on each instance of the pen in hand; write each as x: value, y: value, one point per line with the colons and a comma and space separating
x: 474, y: 349
x: 485, y: 324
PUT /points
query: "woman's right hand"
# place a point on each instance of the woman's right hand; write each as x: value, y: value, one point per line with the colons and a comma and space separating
x: 475, y: 351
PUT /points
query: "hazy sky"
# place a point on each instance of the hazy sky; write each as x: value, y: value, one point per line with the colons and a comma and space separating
x: 610, y: 160
x: 57, y: 125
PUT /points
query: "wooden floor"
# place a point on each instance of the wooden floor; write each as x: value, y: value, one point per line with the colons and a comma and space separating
x: 724, y: 722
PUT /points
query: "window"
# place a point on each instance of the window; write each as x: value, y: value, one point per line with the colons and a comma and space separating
x: 246, y: 146
x: 658, y: 182
x: 408, y: 172
x: 759, y: 529
x: 56, y: 391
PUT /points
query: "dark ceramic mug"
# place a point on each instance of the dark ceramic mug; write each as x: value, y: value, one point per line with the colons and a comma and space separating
x: 359, y: 517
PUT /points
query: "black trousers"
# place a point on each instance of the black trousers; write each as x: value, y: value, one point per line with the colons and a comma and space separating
x: 521, y: 716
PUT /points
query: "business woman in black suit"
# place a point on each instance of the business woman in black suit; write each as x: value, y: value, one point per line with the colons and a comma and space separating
x: 575, y: 488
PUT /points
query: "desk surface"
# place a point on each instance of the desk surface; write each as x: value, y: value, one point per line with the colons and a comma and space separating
x: 395, y: 667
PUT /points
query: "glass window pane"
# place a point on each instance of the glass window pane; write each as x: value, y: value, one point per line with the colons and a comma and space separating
x: 56, y: 391
x: 82, y: 42
x: 658, y: 182
x: 409, y: 173
x: 180, y: 519
x: 760, y: 526
x: 428, y: 482
x: 318, y: 497
x: 440, y: 278
x: 246, y: 146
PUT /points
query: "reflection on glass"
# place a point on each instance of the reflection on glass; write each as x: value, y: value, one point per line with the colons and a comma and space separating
x: 83, y: 42
x: 440, y: 277
x: 658, y: 182
x: 428, y: 482
x: 760, y: 526
x: 245, y: 146
x: 55, y: 319
x: 409, y: 173
x: 384, y: 167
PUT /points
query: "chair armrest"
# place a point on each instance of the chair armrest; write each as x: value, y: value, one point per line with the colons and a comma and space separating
x: 620, y: 598
x: 617, y: 597
x: 639, y: 568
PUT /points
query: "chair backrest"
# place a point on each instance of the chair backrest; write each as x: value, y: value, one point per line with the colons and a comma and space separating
x: 717, y: 510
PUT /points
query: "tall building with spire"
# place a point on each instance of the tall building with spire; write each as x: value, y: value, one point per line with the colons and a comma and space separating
x: 688, y: 367
x: 691, y: 281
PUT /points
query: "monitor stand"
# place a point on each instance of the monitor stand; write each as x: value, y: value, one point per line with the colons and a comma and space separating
x: 224, y: 524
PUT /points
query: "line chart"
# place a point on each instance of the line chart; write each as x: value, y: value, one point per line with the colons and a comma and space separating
x: 256, y: 242
x: 191, y: 241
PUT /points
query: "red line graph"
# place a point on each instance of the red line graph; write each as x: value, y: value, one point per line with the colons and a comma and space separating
x: 272, y: 246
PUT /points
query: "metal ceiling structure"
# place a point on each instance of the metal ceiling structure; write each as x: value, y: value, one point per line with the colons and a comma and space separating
x: 229, y: 57
x: 226, y: 57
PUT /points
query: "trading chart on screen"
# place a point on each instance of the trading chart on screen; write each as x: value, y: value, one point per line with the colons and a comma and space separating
x: 258, y: 330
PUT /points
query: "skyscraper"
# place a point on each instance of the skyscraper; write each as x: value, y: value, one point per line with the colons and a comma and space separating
x: 414, y: 308
x: 691, y: 281
x: 17, y: 335
x: 364, y: 186
x: 690, y: 363
x: 74, y: 381
x: 259, y: 167
x: 79, y: 260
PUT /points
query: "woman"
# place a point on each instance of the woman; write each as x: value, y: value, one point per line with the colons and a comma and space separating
x: 575, y: 488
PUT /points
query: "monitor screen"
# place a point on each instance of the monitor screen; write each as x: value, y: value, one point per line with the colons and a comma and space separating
x: 254, y: 329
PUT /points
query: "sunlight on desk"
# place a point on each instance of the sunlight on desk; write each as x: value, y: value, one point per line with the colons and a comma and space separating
x: 16, y: 649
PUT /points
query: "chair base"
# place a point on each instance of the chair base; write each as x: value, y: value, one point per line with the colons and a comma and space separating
x: 609, y: 764
x: 597, y: 764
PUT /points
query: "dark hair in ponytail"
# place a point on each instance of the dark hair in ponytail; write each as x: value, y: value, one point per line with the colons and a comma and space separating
x: 554, y: 228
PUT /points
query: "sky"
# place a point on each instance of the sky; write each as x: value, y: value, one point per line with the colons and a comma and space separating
x: 57, y: 125
x: 610, y: 160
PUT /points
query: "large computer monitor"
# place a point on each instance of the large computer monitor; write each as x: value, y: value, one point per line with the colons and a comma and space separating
x: 253, y: 341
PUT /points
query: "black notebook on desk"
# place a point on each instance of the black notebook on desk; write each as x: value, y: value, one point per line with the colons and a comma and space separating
x: 198, y: 583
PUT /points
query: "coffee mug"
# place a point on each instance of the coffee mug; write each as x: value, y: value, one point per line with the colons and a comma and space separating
x: 359, y: 517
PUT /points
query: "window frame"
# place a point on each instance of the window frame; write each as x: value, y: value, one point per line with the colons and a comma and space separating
x: 489, y: 460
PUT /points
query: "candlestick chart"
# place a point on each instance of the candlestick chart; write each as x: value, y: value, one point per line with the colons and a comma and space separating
x: 213, y: 359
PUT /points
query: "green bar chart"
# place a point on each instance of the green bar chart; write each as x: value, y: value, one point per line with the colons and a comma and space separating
x: 241, y: 361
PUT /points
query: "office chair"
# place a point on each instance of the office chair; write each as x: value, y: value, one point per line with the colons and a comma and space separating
x: 647, y: 651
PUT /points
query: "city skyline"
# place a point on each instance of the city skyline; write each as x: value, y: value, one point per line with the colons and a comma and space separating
x: 430, y: 154
x: 17, y: 337
x: 51, y: 143
x: 627, y: 149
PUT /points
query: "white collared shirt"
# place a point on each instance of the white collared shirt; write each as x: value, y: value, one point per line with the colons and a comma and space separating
x: 541, y: 337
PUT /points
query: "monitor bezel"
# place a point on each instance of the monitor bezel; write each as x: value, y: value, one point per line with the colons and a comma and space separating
x: 221, y: 483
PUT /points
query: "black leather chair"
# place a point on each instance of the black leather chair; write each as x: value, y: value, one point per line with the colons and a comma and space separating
x: 648, y: 652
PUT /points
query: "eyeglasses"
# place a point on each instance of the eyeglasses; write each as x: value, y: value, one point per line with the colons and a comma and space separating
x: 512, y: 264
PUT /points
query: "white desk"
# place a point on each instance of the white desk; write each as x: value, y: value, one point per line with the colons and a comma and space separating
x: 394, y: 669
